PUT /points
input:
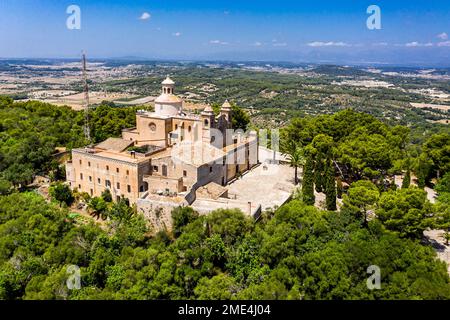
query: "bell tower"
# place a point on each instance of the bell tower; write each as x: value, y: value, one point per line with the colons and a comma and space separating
x: 207, y: 117
x: 226, y: 111
x: 168, y: 104
x: 167, y: 86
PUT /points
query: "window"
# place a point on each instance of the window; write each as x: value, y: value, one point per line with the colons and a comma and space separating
x: 79, y: 186
x: 152, y: 126
x: 176, y: 127
x: 206, y: 122
x: 80, y: 162
x: 155, y: 168
x: 92, y: 192
x: 164, y: 170
x: 118, y: 185
x: 107, y: 168
x: 107, y: 183
x: 210, y: 169
x: 128, y: 188
x: 189, y: 128
x: 117, y: 170
x: 99, y: 181
x: 128, y: 172
x: 90, y: 178
x: 184, y: 173
x: 213, y: 138
x: 89, y: 163
x: 81, y: 176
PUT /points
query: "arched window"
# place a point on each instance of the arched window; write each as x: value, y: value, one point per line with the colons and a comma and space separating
x: 206, y: 122
x: 189, y: 128
x: 152, y: 126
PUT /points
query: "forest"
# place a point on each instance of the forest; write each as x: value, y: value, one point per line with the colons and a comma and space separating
x: 296, y: 251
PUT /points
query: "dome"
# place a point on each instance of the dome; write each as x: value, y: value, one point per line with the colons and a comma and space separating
x: 168, y: 81
x: 168, y: 98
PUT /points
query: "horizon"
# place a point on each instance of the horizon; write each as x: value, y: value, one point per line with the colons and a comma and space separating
x: 410, y: 32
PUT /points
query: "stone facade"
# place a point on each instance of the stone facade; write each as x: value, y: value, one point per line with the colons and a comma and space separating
x: 169, y: 154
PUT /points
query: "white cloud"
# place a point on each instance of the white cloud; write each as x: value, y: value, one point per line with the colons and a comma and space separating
x: 223, y: 43
x: 145, y: 16
x: 381, y: 44
x: 418, y: 44
x: 443, y: 36
x: 280, y: 44
x: 444, y: 44
x: 226, y: 13
x: 176, y: 34
x: 257, y: 44
x: 328, y: 44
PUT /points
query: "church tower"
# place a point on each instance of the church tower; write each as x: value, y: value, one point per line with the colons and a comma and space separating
x: 168, y: 104
x: 226, y: 112
x: 207, y: 117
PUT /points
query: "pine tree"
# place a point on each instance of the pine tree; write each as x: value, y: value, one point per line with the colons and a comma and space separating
x: 330, y: 187
x: 308, y: 183
x: 406, y: 180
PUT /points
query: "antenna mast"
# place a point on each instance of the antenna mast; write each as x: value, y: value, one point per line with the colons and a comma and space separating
x: 86, y: 102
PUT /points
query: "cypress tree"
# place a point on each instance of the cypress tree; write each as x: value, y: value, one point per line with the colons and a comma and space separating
x: 308, y: 183
x: 330, y: 187
x: 406, y: 180
x: 319, y: 174
x: 339, y: 187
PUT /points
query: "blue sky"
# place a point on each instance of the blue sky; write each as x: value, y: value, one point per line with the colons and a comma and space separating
x: 412, y: 31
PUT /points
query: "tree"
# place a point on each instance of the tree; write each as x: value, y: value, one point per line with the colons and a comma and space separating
x: 367, y: 155
x: 363, y: 195
x: 321, y: 149
x: 120, y: 210
x: 98, y: 206
x: 446, y: 237
x: 295, y: 157
x: 239, y: 117
x: 423, y: 169
x: 220, y: 287
x: 182, y: 216
x: 443, y: 189
x: 406, y: 212
x: 308, y: 182
x: 330, y: 187
x: 339, y: 187
x: 106, y: 195
x: 319, y: 174
x: 61, y: 193
x: 5, y: 187
x: 19, y: 174
x: 437, y: 149
x: 406, y: 180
